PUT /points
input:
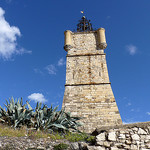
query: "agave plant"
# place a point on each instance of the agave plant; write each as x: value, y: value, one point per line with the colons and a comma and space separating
x: 62, y: 121
x: 38, y: 116
x: 42, y: 118
x: 16, y: 114
x: 45, y: 118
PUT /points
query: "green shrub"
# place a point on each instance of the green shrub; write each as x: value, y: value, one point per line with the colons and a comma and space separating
x: 75, y: 137
x: 16, y: 114
x: 61, y: 146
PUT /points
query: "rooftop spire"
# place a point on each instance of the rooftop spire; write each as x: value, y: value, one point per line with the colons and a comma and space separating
x: 84, y: 24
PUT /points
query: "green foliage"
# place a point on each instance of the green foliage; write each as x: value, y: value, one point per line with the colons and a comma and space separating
x: 61, y: 146
x: 75, y: 137
x: 61, y: 121
x: 91, y: 139
x: 72, y: 137
x: 16, y: 114
x: 43, y: 118
x: 11, y: 132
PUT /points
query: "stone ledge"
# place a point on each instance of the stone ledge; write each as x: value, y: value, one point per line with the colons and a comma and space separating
x: 84, y: 55
x: 123, y: 126
x: 85, y: 32
x: 86, y: 84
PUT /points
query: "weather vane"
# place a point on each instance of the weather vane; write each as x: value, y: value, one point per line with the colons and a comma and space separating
x: 82, y: 12
x: 84, y: 24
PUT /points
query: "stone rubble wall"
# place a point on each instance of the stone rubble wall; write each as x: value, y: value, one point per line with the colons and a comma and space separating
x: 29, y: 143
x: 125, y: 137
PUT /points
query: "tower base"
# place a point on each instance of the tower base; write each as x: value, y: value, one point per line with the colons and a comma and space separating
x: 95, y: 103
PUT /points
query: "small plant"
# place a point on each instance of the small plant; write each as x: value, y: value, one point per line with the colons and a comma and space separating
x: 91, y: 139
x: 61, y: 146
x: 75, y: 137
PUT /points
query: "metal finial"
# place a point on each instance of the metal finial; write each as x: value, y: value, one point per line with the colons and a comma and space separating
x: 84, y: 24
x: 82, y: 12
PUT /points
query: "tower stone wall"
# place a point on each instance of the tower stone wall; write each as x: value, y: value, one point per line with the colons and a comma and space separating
x: 88, y: 92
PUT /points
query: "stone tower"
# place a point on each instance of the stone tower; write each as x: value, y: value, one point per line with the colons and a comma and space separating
x: 88, y: 91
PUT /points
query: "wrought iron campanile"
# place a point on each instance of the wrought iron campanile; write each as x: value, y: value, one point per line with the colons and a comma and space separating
x: 84, y: 25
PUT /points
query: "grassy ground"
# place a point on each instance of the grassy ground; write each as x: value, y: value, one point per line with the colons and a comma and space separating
x: 73, y: 137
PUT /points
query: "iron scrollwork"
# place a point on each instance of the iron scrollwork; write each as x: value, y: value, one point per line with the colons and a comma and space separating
x: 84, y: 25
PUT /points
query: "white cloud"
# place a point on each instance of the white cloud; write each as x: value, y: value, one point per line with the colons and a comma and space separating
x: 8, y: 39
x: 23, y: 51
x: 51, y: 69
x: 132, y: 49
x: 61, y: 62
x: 148, y: 113
x: 37, y: 97
x: 135, y: 110
x: 36, y: 70
x: 129, y: 104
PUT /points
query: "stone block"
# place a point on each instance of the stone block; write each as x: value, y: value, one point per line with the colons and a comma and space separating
x: 114, y: 148
x: 106, y: 144
x: 142, y: 137
x: 101, y: 137
x: 41, y: 148
x: 135, y: 137
x: 128, y: 142
x: 141, y: 131
x: 112, y: 136
x: 121, y: 136
x: 127, y: 147
x: 100, y: 148
x: 147, y: 137
x: 147, y: 145
x: 135, y: 129
x: 74, y: 146
x: 134, y: 147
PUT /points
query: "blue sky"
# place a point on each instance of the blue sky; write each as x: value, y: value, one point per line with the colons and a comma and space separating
x: 32, y: 58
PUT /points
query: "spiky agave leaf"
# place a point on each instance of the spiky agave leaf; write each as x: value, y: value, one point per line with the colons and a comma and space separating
x: 12, y: 101
x: 16, y: 114
x: 30, y: 109
x: 0, y: 112
x: 61, y: 120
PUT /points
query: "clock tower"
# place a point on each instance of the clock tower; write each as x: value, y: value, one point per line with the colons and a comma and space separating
x: 88, y: 93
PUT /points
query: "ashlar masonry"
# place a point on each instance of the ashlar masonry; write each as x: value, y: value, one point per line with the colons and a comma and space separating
x: 88, y: 91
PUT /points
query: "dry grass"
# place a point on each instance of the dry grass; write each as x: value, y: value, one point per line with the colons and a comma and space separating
x: 73, y: 137
x: 10, y: 132
x: 7, y: 131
